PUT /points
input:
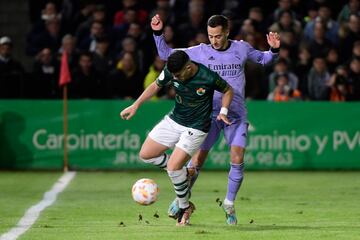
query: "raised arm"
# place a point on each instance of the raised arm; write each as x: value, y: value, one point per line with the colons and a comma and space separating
x: 266, y: 57
x: 163, y: 49
x: 130, y: 111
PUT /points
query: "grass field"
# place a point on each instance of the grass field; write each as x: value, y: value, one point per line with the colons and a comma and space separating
x: 271, y: 205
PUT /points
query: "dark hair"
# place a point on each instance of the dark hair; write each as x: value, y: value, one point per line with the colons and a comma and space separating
x: 218, y: 20
x: 177, y: 60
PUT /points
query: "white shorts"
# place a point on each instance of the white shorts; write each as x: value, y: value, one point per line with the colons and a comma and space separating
x: 169, y: 133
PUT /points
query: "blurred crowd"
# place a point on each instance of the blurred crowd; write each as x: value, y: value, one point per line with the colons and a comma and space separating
x: 112, y: 54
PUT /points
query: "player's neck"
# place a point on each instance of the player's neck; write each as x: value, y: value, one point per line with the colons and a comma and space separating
x: 225, y: 47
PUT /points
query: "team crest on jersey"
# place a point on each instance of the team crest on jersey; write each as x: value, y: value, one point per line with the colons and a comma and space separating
x: 162, y: 76
x: 200, y: 91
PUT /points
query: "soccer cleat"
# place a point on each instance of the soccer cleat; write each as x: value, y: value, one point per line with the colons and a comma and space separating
x: 184, y: 215
x: 174, y: 210
x: 230, y: 214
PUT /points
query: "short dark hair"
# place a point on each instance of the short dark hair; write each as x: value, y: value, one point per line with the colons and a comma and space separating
x: 218, y: 20
x: 177, y: 60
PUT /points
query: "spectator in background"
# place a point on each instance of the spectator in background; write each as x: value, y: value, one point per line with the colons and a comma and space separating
x: 331, y: 27
x: 281, y: 67
x: 257, y: 16
x: 49, y: 12
x: 129, y: 45
x: 49, y: 38
x: 12, y: 73
x: 98, y: 14
x: 354, y: 79
x: 332, y: 60
x: 88, y: 42
x: 154, y: 72
x: 287, y: 23
x: 125, y: 82
x: 339, y: 89
x: 85, y: 82
x: 194, y: 25
x: 169, y: 36
x: 140, y: 14
x: 302, y: 68
x: 283, y: 92
x: 318, y: 80
x: 283, y: 5
x: 103, y: 59
x: 45, y: 76
x: 319, y: 45
x: 349, y: 34
x: 353, y: 7
x: 68, y: 45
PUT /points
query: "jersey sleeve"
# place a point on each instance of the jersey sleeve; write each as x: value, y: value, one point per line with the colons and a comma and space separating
x: 164, y: 78
x: 220, y: 84
x: 261, y: 57
x: 164, y: 50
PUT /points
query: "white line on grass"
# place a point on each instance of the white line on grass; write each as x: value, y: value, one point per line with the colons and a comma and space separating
x: 32, y: 214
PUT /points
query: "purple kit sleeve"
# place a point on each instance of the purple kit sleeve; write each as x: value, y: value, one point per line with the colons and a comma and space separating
x: 261, y: 57
x: 164, y: 50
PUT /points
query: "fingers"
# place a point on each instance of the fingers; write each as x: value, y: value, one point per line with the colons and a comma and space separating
x: 222, y: 117
x: 125, y: 115
x: 155, y: 20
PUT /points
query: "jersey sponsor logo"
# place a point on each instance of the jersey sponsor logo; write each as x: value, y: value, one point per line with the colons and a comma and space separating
x: 200, y: 91
x: 162, y: 76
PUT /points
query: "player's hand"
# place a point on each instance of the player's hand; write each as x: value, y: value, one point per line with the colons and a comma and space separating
x: 128, y: 112
x: 273, y: 39
x: 224, y: 118
x: 156, y: 23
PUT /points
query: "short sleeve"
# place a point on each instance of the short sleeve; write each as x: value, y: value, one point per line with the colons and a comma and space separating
x: 164, y: 77
x: 220, y: 84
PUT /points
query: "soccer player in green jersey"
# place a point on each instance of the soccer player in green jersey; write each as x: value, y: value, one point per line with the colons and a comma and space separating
x: 187, y: 124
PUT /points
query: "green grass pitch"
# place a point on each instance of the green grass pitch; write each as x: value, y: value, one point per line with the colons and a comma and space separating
x: 271, y: 205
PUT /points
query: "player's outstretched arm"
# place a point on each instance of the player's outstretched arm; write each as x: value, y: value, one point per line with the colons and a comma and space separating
x: 149, y: 92
x: 226, y: 100
x: 164, y: 50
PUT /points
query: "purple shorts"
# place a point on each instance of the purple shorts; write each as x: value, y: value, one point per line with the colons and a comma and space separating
x: 235, y: 134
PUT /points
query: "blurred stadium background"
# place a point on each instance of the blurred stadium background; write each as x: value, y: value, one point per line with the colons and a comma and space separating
x: 112, y: 58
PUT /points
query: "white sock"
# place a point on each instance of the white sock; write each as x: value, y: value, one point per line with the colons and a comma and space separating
x: 160, y: 161
x: 181, y: 186
x: 228, y: 202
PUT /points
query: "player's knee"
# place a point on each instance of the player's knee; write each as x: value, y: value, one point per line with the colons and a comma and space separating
x: 237, y: 157
x: 144, y: 156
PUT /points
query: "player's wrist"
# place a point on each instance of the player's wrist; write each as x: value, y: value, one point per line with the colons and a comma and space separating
x: 275, y: 50
x: 224, y: 111
x: 158, y: 32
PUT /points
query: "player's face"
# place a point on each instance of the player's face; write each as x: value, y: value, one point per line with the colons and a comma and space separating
x: 218, y: 37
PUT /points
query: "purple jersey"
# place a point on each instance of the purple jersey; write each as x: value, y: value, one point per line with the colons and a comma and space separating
x: 229, y: 64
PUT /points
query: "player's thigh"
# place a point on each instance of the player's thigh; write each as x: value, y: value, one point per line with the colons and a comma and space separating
x: 236, y: 137
x: 151, y: 149
x: 177, y: 159
x: 236, y: 134
x: 162, y: 137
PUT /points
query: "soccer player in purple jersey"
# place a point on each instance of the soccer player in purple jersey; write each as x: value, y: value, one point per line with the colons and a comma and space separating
x: 227, y: 58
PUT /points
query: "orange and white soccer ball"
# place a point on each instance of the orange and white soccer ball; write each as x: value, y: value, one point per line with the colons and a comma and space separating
x: 145, y: 191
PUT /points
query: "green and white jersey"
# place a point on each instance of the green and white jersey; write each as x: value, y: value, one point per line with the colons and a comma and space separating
x: 194, y: 97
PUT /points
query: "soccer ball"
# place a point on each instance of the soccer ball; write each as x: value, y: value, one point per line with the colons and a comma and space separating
x: 145, y: 191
